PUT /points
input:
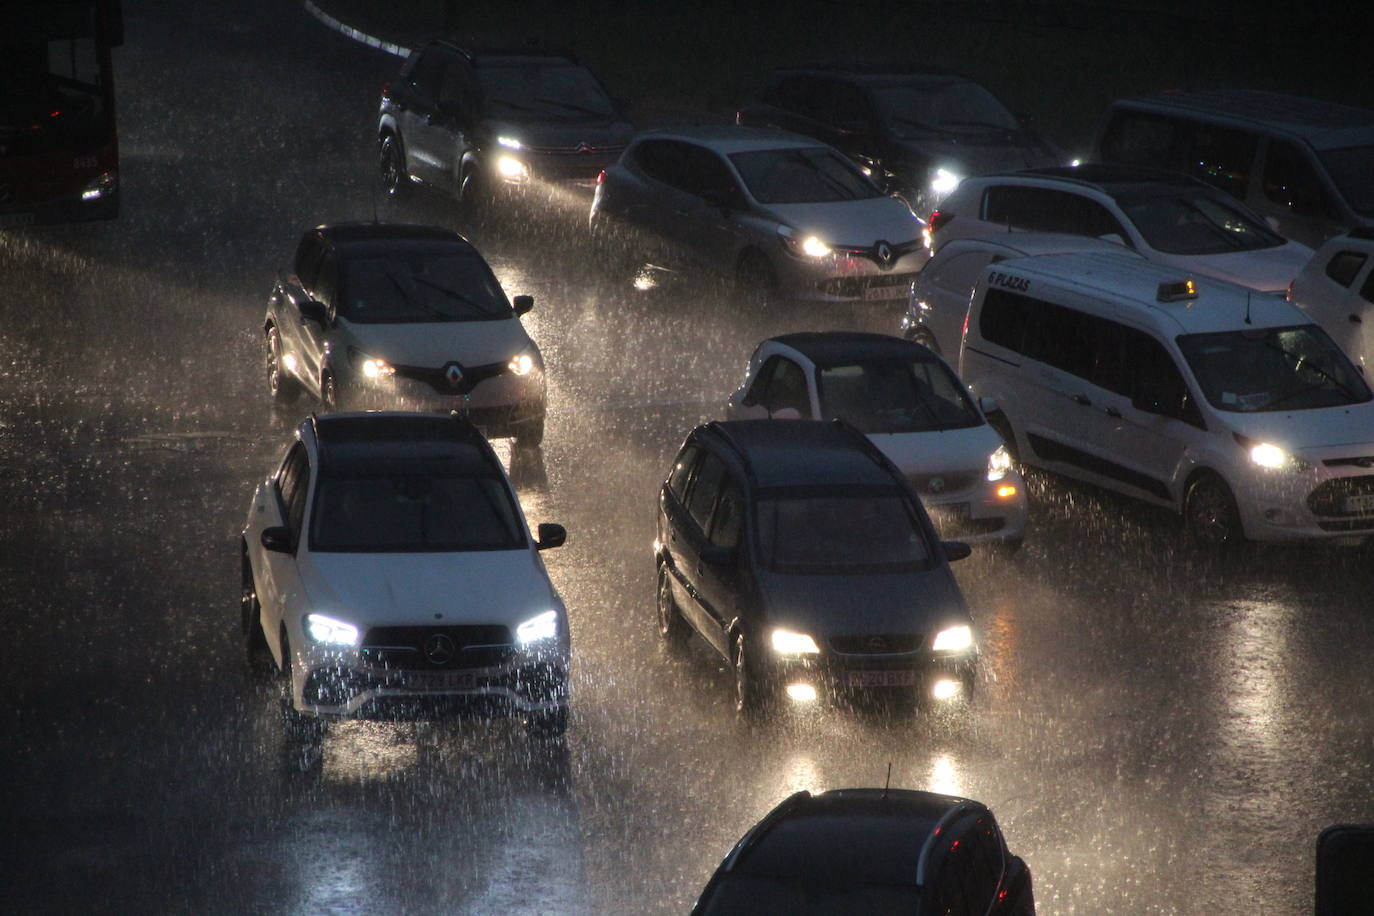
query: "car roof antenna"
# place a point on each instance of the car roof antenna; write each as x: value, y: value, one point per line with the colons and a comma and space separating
x: 888, y: 781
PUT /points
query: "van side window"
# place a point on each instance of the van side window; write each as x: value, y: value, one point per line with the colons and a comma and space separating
x: 1135, y: 138
x: 1222, y: 157
x: 1040, y: 330
x: 1344, y: 266
x: 1290, y: 180
x: 1150, y: 372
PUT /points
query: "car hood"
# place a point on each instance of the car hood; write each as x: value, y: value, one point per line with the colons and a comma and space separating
x: 1316, y: 429
x: 865, y: 604
x: 1269, y: 270
x: 978, y: 153
x: 941, y: 451
x: 415, y: 589
x: 859, y: 223
x: 537, y: 132
x: 470, y: 343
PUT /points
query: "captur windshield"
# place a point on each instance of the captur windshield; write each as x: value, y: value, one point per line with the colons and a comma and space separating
x: 841, y: 531
x: 802, y: 175
x: 1296, y: 368
x: 1196, y: 224
x: 412, y: 507
x: 896, y: 396
x: 941, y: 105
x: 440, y: 284
x: 1352, y: 169
x: 552, y: 90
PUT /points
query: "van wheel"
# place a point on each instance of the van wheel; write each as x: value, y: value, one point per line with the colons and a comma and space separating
x: 1210, y: 514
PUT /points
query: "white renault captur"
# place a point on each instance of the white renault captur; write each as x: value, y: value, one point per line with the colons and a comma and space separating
x: 912, y: 406
x: 388, y: 570
x: 1227, y: 405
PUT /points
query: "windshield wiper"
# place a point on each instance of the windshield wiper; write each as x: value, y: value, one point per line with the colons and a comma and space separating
x: 457, y: 295
x: 573, y: 106
x: 1300, y: 362
x: 411, y: 300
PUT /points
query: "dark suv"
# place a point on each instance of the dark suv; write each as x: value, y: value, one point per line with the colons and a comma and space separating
x: 472, y: 121
x: 918, y: 133
x: 803, y: 556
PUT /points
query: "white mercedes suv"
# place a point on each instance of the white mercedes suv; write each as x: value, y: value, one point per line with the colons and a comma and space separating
x: 388, y: 571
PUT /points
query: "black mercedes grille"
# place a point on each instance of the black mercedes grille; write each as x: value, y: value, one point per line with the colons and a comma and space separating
x: 1329, y: 497
x: 891, y: 644
x: 948, y: 483
x: 414, y: 648
x: 438, y: 378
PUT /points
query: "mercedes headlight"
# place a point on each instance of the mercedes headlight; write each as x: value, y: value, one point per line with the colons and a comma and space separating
x: 512, y: 169
x: 953, y: 639
x: 999, y: 463
x: 537, y: 629
x: 786, y: 642
x: 332, y: 632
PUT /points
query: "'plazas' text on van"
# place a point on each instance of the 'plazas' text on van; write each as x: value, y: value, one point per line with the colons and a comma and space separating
x: 1019, y: 284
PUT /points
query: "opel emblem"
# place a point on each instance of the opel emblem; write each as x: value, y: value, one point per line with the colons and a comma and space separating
x: 875, y: 644
x: 439, y: 649
x: 883, y: 252
x: 454, y: 373
x: 583, y: 147
x: 936, y: 484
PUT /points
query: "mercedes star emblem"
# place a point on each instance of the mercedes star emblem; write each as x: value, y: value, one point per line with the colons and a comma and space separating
x: 936, y: 484
x: 439, y: 649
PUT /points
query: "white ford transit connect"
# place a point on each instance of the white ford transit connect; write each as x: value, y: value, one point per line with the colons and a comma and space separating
x: 1227, y: 405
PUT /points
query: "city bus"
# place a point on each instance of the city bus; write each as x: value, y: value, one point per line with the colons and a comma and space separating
x: 59, y: 157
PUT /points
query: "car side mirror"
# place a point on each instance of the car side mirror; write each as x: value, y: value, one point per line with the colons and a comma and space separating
x: 313, y: 310
x: 1272, y: 222
x: 277, y: 539
x: 785, y: 413
x: 522, y: 304
x: 989, y: 405
x: 551, y: 535
x: 956, y: 550
x: 1113, y: 237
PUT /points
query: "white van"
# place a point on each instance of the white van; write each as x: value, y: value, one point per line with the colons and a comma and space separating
x: 1227, y: 405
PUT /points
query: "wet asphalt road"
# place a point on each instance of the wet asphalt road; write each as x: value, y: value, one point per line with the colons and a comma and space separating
x: 1155, y: 733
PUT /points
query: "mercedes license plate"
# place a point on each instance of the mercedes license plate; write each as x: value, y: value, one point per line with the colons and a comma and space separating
x: 439, y: 680
x: 880, y: 679
x: 15, y: 219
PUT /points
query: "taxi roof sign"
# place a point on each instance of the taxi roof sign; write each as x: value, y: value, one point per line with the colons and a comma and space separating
x: 1176, y: 291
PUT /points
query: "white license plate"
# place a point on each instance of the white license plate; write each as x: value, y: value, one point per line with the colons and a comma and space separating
x: 880, y: 678
x: 884, y: 292
x: 438, y: 680
x: 15, y: 219
x: 1362, y: 505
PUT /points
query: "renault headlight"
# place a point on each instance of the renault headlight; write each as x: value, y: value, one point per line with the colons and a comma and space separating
x: 999, y: 463
x: 785, y: 642
x: 537, y: 629
x: 522, y: 363
x: 329, y: 631
x: 370, y: 366
x: 953, y: 639
x: 808, y: 246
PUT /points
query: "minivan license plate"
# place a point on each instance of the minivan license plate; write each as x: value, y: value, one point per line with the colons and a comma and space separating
x: 881, y: 679
x: 1361, y: 505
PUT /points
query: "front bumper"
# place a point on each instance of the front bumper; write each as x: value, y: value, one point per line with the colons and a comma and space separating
x: 969, y: 507
x: 849, y: 278
x: 500, y: 406
x: 1324, y: 502
x: 841, y: 675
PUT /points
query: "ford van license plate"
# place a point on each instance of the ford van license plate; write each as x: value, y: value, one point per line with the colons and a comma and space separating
x: 880, y: 679
x: 439, y: 680
x: 1359, y: 505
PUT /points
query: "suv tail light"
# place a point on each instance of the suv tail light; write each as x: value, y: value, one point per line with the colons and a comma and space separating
x: 600, y: 176
x: 386, y: 91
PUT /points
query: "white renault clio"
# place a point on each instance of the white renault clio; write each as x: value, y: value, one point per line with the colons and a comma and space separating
x: 912, y: 406
x: 388, y: 570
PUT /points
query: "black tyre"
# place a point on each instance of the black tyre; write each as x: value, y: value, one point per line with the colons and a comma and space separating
x: 549, y: 724
x: 283, y: 388
x: 395, y: 179
x: 1210, y: 514
x: 329, y: 392
x: 753, y: 693
x: 473, y: 192
x: 612, y: 251
x: 756, y: 282
x: 671, y: 626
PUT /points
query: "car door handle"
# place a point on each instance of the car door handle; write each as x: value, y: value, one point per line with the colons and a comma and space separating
x: 1355, y: 319
x: 1114, y: 413
x: 1082, y: 399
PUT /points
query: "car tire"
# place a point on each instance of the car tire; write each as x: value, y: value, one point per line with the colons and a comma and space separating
x: 756, y: 282
x: 395, y: 179
x: 283, y: 388
x: 752, y: 692
x: 257, y: 655
x: 548, y: 724
x: 925, y: 338
x: 671, y: 625
x: 472, y: 189
x: 530, y: 434
x: 1210, y: 514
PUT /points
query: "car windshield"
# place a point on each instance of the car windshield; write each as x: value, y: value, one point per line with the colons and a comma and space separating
x: 1196, y: 224
x: 802, y: 175
x: 412, y: 506
x: 1296, y: 368
x: 840, y: 531
x: 941, y: 105
x: 420, y: 285
x: 1352, y: 169
x: 896, y: 396
x: 554, y: 90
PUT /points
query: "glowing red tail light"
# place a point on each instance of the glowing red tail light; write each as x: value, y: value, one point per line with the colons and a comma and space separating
x: 600, y: 176
x: 386, y: 91
x: 938, y: 219
x: 1289, y: 295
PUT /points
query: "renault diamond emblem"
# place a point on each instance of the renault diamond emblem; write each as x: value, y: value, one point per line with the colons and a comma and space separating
x: 936, y: 484
x: 454, y: 373
x: 439, y: 649
x: 883, y: 252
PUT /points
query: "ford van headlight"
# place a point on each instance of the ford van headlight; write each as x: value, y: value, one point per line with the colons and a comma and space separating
x: 999, y: 463
x: 329, y: 631
x: 785, y: 642
x: 1272, y: 458
x: 537, y: 629
x: 954, y: 639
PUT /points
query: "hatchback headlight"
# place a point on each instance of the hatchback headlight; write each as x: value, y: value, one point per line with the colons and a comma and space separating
x: 329, y: 631
x: 999, y: 463
x: 370, y: 366
x: 786, y: 642
x: 512, y: 169
x: 808, y: 246
x: 537, y: 629
x: 953, y: 639
x: 522, y: 364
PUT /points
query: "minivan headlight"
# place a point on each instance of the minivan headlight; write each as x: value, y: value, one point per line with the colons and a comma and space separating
x: 999, y: 463
x: 537, y: 629
x: 329, y: 631
x: 785, y: 642
x: 953, y: 639
x: 1270, y: 456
